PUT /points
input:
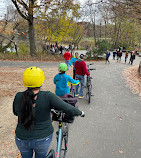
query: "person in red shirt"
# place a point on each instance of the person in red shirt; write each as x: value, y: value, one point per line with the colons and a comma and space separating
x: 67, y: 56
x: 80, y: 71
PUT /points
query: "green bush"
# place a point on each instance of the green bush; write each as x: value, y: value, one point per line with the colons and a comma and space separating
x: 99, y: 50
x: 23, y: 49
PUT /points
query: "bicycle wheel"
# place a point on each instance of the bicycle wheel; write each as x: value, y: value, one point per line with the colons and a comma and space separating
x: 89, y: 95
x: 89, y: 91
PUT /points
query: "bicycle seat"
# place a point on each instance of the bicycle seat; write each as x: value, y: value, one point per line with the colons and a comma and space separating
x: 68, y: 98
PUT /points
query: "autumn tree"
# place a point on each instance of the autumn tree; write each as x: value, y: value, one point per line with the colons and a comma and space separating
x: 57, y: 22
x: 7, y: 29
x: 26, y: 10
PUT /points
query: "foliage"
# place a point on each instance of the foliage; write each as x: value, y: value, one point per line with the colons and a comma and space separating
x: 86, y: 43
x: 99, y: 50
x: 23, y: 49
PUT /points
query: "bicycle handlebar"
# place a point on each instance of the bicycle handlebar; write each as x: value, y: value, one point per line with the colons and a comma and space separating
x: 60, y: 113
x: 90, y: 64
x: 91, y: 69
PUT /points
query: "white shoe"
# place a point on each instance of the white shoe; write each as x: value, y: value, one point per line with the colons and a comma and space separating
x: 76, y: 95
x: 81, y: 97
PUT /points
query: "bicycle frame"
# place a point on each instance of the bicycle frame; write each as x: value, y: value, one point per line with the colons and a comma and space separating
x: 72, y: 90
x: 60, y: 137
x: 58, y: 151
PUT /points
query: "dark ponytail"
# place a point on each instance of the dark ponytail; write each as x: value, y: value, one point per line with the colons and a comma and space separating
x: 27, y: 117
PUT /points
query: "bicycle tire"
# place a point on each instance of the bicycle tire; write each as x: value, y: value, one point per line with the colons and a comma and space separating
x: 89, y: 95
x: 89, y: 91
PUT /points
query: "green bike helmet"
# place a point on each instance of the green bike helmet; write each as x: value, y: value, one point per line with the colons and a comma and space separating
x: 62, y: 67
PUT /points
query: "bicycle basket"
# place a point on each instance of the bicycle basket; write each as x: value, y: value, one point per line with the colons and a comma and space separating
x: 68, y: 98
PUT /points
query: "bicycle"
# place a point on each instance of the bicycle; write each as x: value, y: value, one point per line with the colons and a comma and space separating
x: 62, y: 133
x: 89, y: 85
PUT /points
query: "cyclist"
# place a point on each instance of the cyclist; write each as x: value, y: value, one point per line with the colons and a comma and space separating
x: 34, y: 129
x: 72, y: 61
x: 81, y: 71
x: 62, y: 81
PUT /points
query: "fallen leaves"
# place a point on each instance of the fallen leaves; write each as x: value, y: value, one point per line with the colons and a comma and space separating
x: 120, y: 151
x: 133, y: 79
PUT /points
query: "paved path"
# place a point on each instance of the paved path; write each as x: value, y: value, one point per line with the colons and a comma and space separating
x: 112, y: 124
x: 111, y: 128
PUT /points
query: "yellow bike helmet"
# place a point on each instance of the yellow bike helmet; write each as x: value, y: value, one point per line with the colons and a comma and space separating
x: 33, y: 77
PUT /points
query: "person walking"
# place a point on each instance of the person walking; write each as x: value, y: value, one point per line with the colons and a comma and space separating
x: 34, y: 129
x: 62, y: 81
x: 119, y: 55
x: 61, y: 49
x: 72, y: 61
x: 114, y: 54
x: 107, y: 56
x: 126, y: 56
x: 67, y: 56
x: 81, y: 71
x: 132, y: 57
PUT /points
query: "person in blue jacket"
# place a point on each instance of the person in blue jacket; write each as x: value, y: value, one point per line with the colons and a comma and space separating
x: 62, y: 81
x: 72, y: 61
x: 107, y: 56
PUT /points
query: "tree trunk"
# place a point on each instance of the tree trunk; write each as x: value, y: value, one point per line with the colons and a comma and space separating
x: 32, y: 39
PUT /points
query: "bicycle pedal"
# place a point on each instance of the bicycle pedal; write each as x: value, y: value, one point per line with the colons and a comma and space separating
x: 64, y: 134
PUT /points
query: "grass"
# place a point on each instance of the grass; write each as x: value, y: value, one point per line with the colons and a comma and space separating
x: 27, y: 57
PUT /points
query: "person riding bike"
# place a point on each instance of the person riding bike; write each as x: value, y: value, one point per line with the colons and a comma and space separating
x: 34, y: 129
x: 62, y: 81
x: 72, y: 61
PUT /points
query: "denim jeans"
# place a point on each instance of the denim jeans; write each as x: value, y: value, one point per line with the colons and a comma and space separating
x: 67, y: 62
x: 81, y: 79
x: 39, y: 146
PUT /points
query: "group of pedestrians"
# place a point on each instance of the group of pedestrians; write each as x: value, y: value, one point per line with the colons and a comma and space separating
x: 34, y: 129
x: 79, y: 72
x: 117, y: 55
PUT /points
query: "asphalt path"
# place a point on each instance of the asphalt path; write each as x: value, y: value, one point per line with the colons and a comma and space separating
x: 111, y: 128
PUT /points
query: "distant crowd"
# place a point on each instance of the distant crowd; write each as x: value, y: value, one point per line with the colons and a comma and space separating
x: 118, y: 53
x: 55, y: 48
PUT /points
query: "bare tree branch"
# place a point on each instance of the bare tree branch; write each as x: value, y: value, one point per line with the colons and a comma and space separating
x: 19, y: 11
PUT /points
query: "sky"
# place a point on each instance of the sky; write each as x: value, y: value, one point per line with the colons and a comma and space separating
x: 83, y: 1
x: 5, y: 3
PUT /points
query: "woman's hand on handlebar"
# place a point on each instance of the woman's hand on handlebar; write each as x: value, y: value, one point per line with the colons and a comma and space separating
x: 82, y: 114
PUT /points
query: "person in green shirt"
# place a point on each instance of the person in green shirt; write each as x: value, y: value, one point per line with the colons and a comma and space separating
x: 34, y: 129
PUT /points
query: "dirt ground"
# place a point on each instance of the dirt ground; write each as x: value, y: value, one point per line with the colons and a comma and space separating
x: 11, y: 83
x: 133, y: 79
